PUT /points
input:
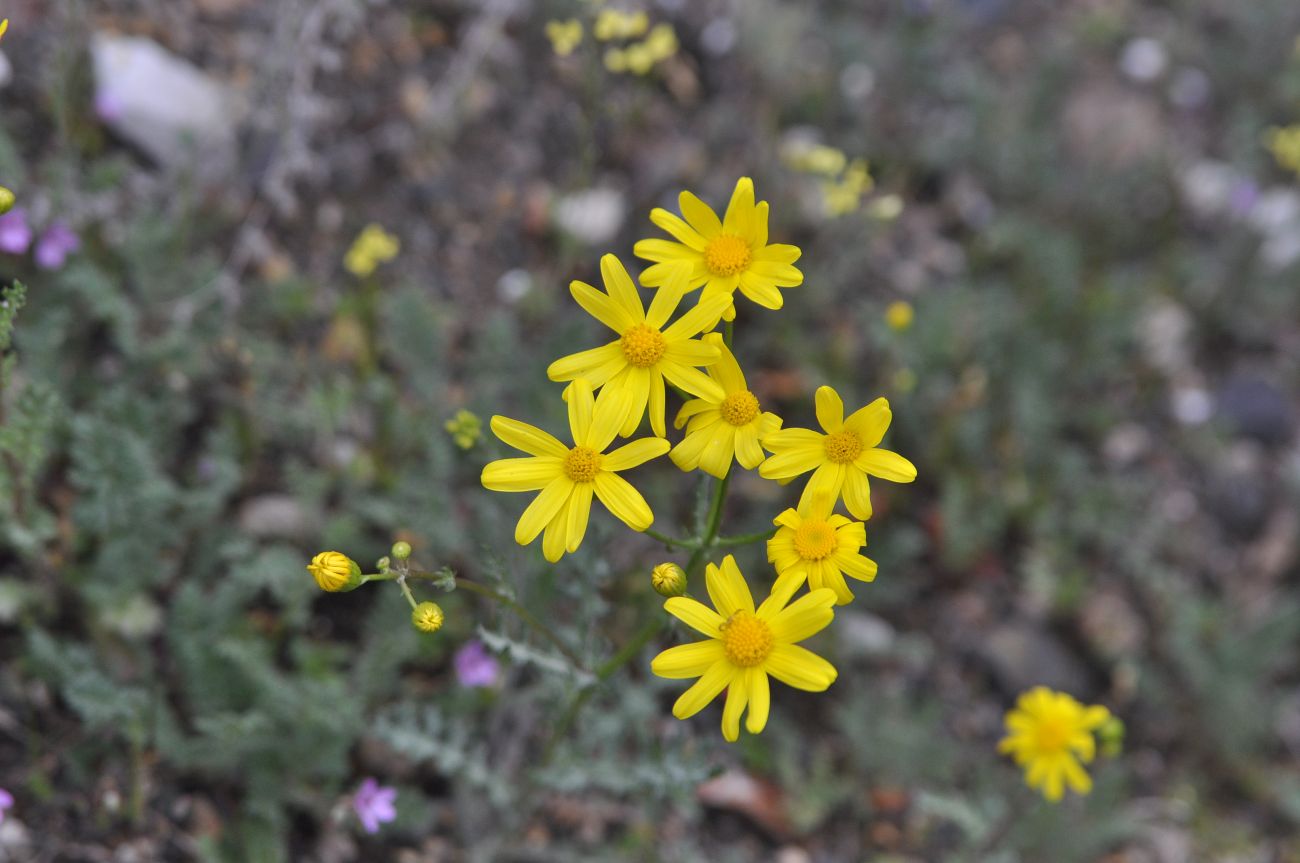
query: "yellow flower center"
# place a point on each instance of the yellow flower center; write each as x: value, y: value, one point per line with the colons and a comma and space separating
x: 746, y: 640
x: 726, y: 255
x: 643, y: 346
x: 1053, y: 733
x: 843, y: 447
x: 739, y: 408
x: 582, y: 464
x: 814, y: 540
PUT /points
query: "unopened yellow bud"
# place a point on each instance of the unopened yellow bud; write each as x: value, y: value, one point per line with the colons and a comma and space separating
x: 335, y: 572
x: 427, y: 617
x: 7, y: 200
x: 668, y: 579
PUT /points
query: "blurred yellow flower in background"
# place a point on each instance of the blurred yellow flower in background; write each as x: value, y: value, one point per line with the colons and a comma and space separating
x: 845, y: 194
x: 372, y: 247
x: 722, y: 255
x: 842, y: 458
x: 465, y: 428
x: 720, y: 429
x: 1284, y: 144
x: 1049, y: 734
x: 612, y: 24
x: 899, y: 315
x: 4, y: 27
x: 568, y: 476
x: 564, y: 35
x: 744, y: 646
x: 648, y: 350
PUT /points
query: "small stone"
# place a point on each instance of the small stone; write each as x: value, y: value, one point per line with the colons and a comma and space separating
x: 864, y: 634
x: 1022, y: 656
x: 1143, y: 60
x: 167, y: 107
x: 274, y: 516
x: 593, y: 216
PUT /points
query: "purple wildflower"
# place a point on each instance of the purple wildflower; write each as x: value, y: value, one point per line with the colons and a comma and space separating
x: 374, y: 804
x: 6, y: 802
x: 475, y: 666
x: 1242, y: 199
x: 55, y: 245
x: 108, y: 107
x: 15, y: 233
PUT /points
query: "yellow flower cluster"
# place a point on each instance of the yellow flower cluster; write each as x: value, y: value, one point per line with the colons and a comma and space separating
x: 636, y: 54
x: 842, y: 183
x: 1284, y: 144
x: 614, y: 387
x: 465, y: 429
x: 372, y: 247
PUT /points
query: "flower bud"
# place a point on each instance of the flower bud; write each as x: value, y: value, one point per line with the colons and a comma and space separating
x: 427, y: 617
x: 668, y: 579
x: 7, y: 200
x: 383, y: 564
x: 1111, y: 736
x: 401, y: 550
x: 335, y: 572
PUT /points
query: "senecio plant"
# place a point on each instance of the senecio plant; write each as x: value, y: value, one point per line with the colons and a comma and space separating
x: 613, y: 391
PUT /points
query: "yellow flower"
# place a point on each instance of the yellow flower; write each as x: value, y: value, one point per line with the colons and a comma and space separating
x: 335, y: 572
x: 744, y: 646
x: 722, y: 255
x: 899, y: 315
x: 613, y: 24
x: 668, y: 579
x: 372, y: 247
x: 639, y: 59
x: 646, y: 351
x: 427, y: 617
x: 568, y: 476
x: 7, y: 200
x: 4, y: 27
x: 815, y: 546
x: 564, y: 35
x: 1049, y: 734
x: 662, y: 42
x: 616, y: 60
x: 842, y: 457
x: 464, y: 429
x: 725, y: 427
x: 843, y: 195
x: 1284, y: 144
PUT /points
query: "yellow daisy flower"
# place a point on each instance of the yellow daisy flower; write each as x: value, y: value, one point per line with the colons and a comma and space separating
x: 842, y: 458
x: 1049, y: 734
x: 723, y: 255
x: 568, y: 476
x: 646, y: 351
x: 744, y: 646
x: 722, y: 428
x: 811, y: 544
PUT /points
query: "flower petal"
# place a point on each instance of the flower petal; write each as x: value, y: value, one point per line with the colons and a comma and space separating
x: 886, y: 465
x: 528, y: 438
x: 830, y: 409
x: 691, y: 352
x: 632, y: 454
x: 555, y: 540
x: 779, y: 274
x: 739, y: 219
x: 793, y: 438
x: 602, y: 307
x: 621, y: 288
x: 700, y: 216
x: 713, y: 681
x: 828, y: 479
x: 582, y: 405
x: 760, y: 700
x: 727, y: 588
x: 761, y: 291
x: 792, y: 463
x: 870, y: 422
x: 856, y: 565
x: 543, y: 509
x: 687, y: 660
x: 737, y: 698
x: 703, y: 317
x: 758, y: 229
x: 657, y: 405
x: 636, y: 388
x: 780, y: 253
x: 679, y: 228
x: 799, y: 667
x: 748, y: 452
x: 695, y: 614
x: 857, y: 493
x: 521, y: 474
x: 726, y: 371
x: 666, y: 251
x: 625, y: 502
x: 579, y: 512
x: 695, y: 382
x: 597, y: 365
x: 806, y: 616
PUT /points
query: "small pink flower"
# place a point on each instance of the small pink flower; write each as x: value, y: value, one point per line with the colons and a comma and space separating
x: 15, y: 233
x: 475, y: 666
x: 55, y: 245
x: 6, y: 802
x: 374, y: 804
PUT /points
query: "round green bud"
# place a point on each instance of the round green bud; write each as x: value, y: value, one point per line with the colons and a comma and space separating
x: 1111, y: 736
x: 401, y: 550
x: 427, y: 617
x: 383, y: 564
x: 7, y: 200
x: 668, y: 579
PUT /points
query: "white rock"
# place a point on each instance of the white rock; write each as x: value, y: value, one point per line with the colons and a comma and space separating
x: 1143, y: 59
x: 593, y: 216
x: 165, y: 106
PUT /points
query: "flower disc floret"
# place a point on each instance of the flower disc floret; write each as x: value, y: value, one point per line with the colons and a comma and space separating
x: 739, y: 408
x: 643, y: 346
x: 814, y: 540
x: 727, y: 255
x: 843, y: 447
x: 746, y: 640
x: 582, y: 464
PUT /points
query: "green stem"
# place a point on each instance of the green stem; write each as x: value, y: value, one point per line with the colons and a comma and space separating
x: 715, y: 511
x: 406, y: 591
x: 669, y: 541
x: 744, y: 539
x: 524, y: 614
x: 728, y: 332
